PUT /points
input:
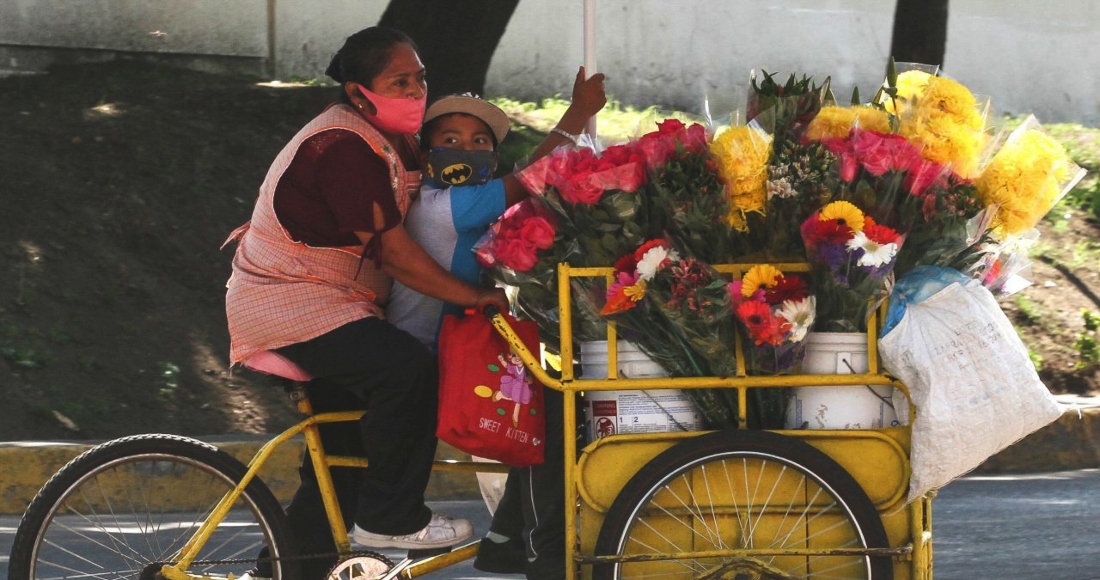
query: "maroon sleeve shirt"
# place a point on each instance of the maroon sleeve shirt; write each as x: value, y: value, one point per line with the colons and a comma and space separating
x: 336, y: 185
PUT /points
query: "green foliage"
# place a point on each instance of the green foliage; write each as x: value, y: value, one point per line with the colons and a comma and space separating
x: 24, y: 357
x: 1087, y: 344
x: 615, y: 123
x: 1030, y: 312
x: 1086, y: 196
x: 22, y: 347
x: 168, y: 375
x: 1036, y: 359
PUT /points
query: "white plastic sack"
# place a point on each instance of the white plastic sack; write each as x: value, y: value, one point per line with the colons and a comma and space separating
x: 491, y: 485
x: 969, y: 375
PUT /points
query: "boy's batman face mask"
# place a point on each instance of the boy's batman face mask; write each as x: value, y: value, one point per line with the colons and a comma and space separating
x: 447, y: 167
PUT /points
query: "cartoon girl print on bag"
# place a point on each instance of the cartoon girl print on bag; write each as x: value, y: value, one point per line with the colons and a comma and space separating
x: 515, y: 384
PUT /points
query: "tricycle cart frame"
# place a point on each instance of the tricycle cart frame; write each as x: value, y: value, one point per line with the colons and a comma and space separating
x: 732, y: 504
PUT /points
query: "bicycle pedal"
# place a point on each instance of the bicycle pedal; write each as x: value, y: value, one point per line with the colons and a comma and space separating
x: 428, y: 553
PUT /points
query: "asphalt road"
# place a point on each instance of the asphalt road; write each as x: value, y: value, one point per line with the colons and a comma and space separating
x: 1024, y: 527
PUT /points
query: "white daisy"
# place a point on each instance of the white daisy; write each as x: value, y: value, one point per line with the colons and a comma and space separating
x: 800, y: 314
x: 874, y: 253
x: 651, y: 261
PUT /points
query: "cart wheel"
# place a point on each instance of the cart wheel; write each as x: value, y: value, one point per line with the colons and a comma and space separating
x: 756, y: 491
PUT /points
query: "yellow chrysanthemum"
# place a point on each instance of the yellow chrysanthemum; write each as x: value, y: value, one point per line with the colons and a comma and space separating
x: 1025, y: 178
x: 942, y: 118
x: 836, y: 122
x: 845, y: 213
x: 759, y: 277
x: 942, y: 140
x: 742, y: 154
x: 910, y: 86
x: 949, y: 97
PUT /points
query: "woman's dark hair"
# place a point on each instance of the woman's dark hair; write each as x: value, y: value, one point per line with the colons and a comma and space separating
x: 364, y: 56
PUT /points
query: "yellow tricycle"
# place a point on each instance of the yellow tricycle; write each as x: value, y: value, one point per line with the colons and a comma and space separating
x: 736, y: 504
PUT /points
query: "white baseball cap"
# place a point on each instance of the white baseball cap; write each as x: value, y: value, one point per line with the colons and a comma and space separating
x: 474, y: 106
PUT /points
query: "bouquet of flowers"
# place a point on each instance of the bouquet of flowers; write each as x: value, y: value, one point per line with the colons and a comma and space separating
x: 741, y: 154
x: 586, y: 212
x: 851, y: 257
x: 678, y: 311
x: 522, y: 251
x: 685, y: 192
x: 1028, y: 175
x: 785, y: 109
x: 776, y: 312
x: 940, y: 116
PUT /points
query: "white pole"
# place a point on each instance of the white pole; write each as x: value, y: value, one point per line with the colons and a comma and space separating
x: 590, y: 51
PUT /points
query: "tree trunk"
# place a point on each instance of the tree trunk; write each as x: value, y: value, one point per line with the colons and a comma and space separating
x: 456, y: 38
x: 920, y: 31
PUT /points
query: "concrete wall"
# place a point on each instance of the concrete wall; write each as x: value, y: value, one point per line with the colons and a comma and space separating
x: 1028, y: 56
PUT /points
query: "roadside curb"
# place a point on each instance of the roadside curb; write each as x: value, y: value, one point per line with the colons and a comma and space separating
x: 1071, y: 442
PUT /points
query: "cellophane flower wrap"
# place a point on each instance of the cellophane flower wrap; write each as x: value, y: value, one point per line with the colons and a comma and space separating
x: 941, y: 117
x: 1028, y: 175
x: 522, y: 251
x: 678, y: 311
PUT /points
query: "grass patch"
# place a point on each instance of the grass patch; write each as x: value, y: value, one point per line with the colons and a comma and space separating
x: 1030, y: 312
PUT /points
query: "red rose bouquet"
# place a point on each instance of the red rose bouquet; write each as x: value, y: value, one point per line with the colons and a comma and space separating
x: 685, y: 192
x: 522, y: 251
x: 590, y: 203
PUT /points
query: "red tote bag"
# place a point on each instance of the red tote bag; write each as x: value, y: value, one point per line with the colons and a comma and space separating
x: 489, y: 404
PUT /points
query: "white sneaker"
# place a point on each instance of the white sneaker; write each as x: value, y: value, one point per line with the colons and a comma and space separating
x: 252, y: 574
x: 441, y: 532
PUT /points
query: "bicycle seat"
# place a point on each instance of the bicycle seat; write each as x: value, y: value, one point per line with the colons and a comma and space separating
x: 273, y: 363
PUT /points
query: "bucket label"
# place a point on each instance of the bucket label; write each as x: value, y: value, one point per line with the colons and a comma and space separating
x: 604, y: 408
x: 613, y: 412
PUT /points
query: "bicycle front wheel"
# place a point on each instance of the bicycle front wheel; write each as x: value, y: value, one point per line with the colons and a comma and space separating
x: 125, y: 508
x: 785, y: 509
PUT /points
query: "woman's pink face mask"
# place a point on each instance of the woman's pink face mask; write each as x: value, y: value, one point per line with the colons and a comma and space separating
x: 402, y: 115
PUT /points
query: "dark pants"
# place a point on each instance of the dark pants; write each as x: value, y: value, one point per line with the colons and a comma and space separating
x: 368, y: 364
x: 533, y: 505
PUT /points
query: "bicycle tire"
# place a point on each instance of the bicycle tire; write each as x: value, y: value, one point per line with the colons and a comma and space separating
x: 750, y: 490
x: 125, y: 507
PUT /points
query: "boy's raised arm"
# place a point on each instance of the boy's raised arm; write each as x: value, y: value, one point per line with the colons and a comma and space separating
x: 587, y: 100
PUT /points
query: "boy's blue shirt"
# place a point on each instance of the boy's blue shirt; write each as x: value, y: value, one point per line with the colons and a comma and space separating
x: 447, y: 223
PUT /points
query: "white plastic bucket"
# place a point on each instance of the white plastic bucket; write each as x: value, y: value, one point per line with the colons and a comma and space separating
x: 844, y: 406
x: 612, y: 412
